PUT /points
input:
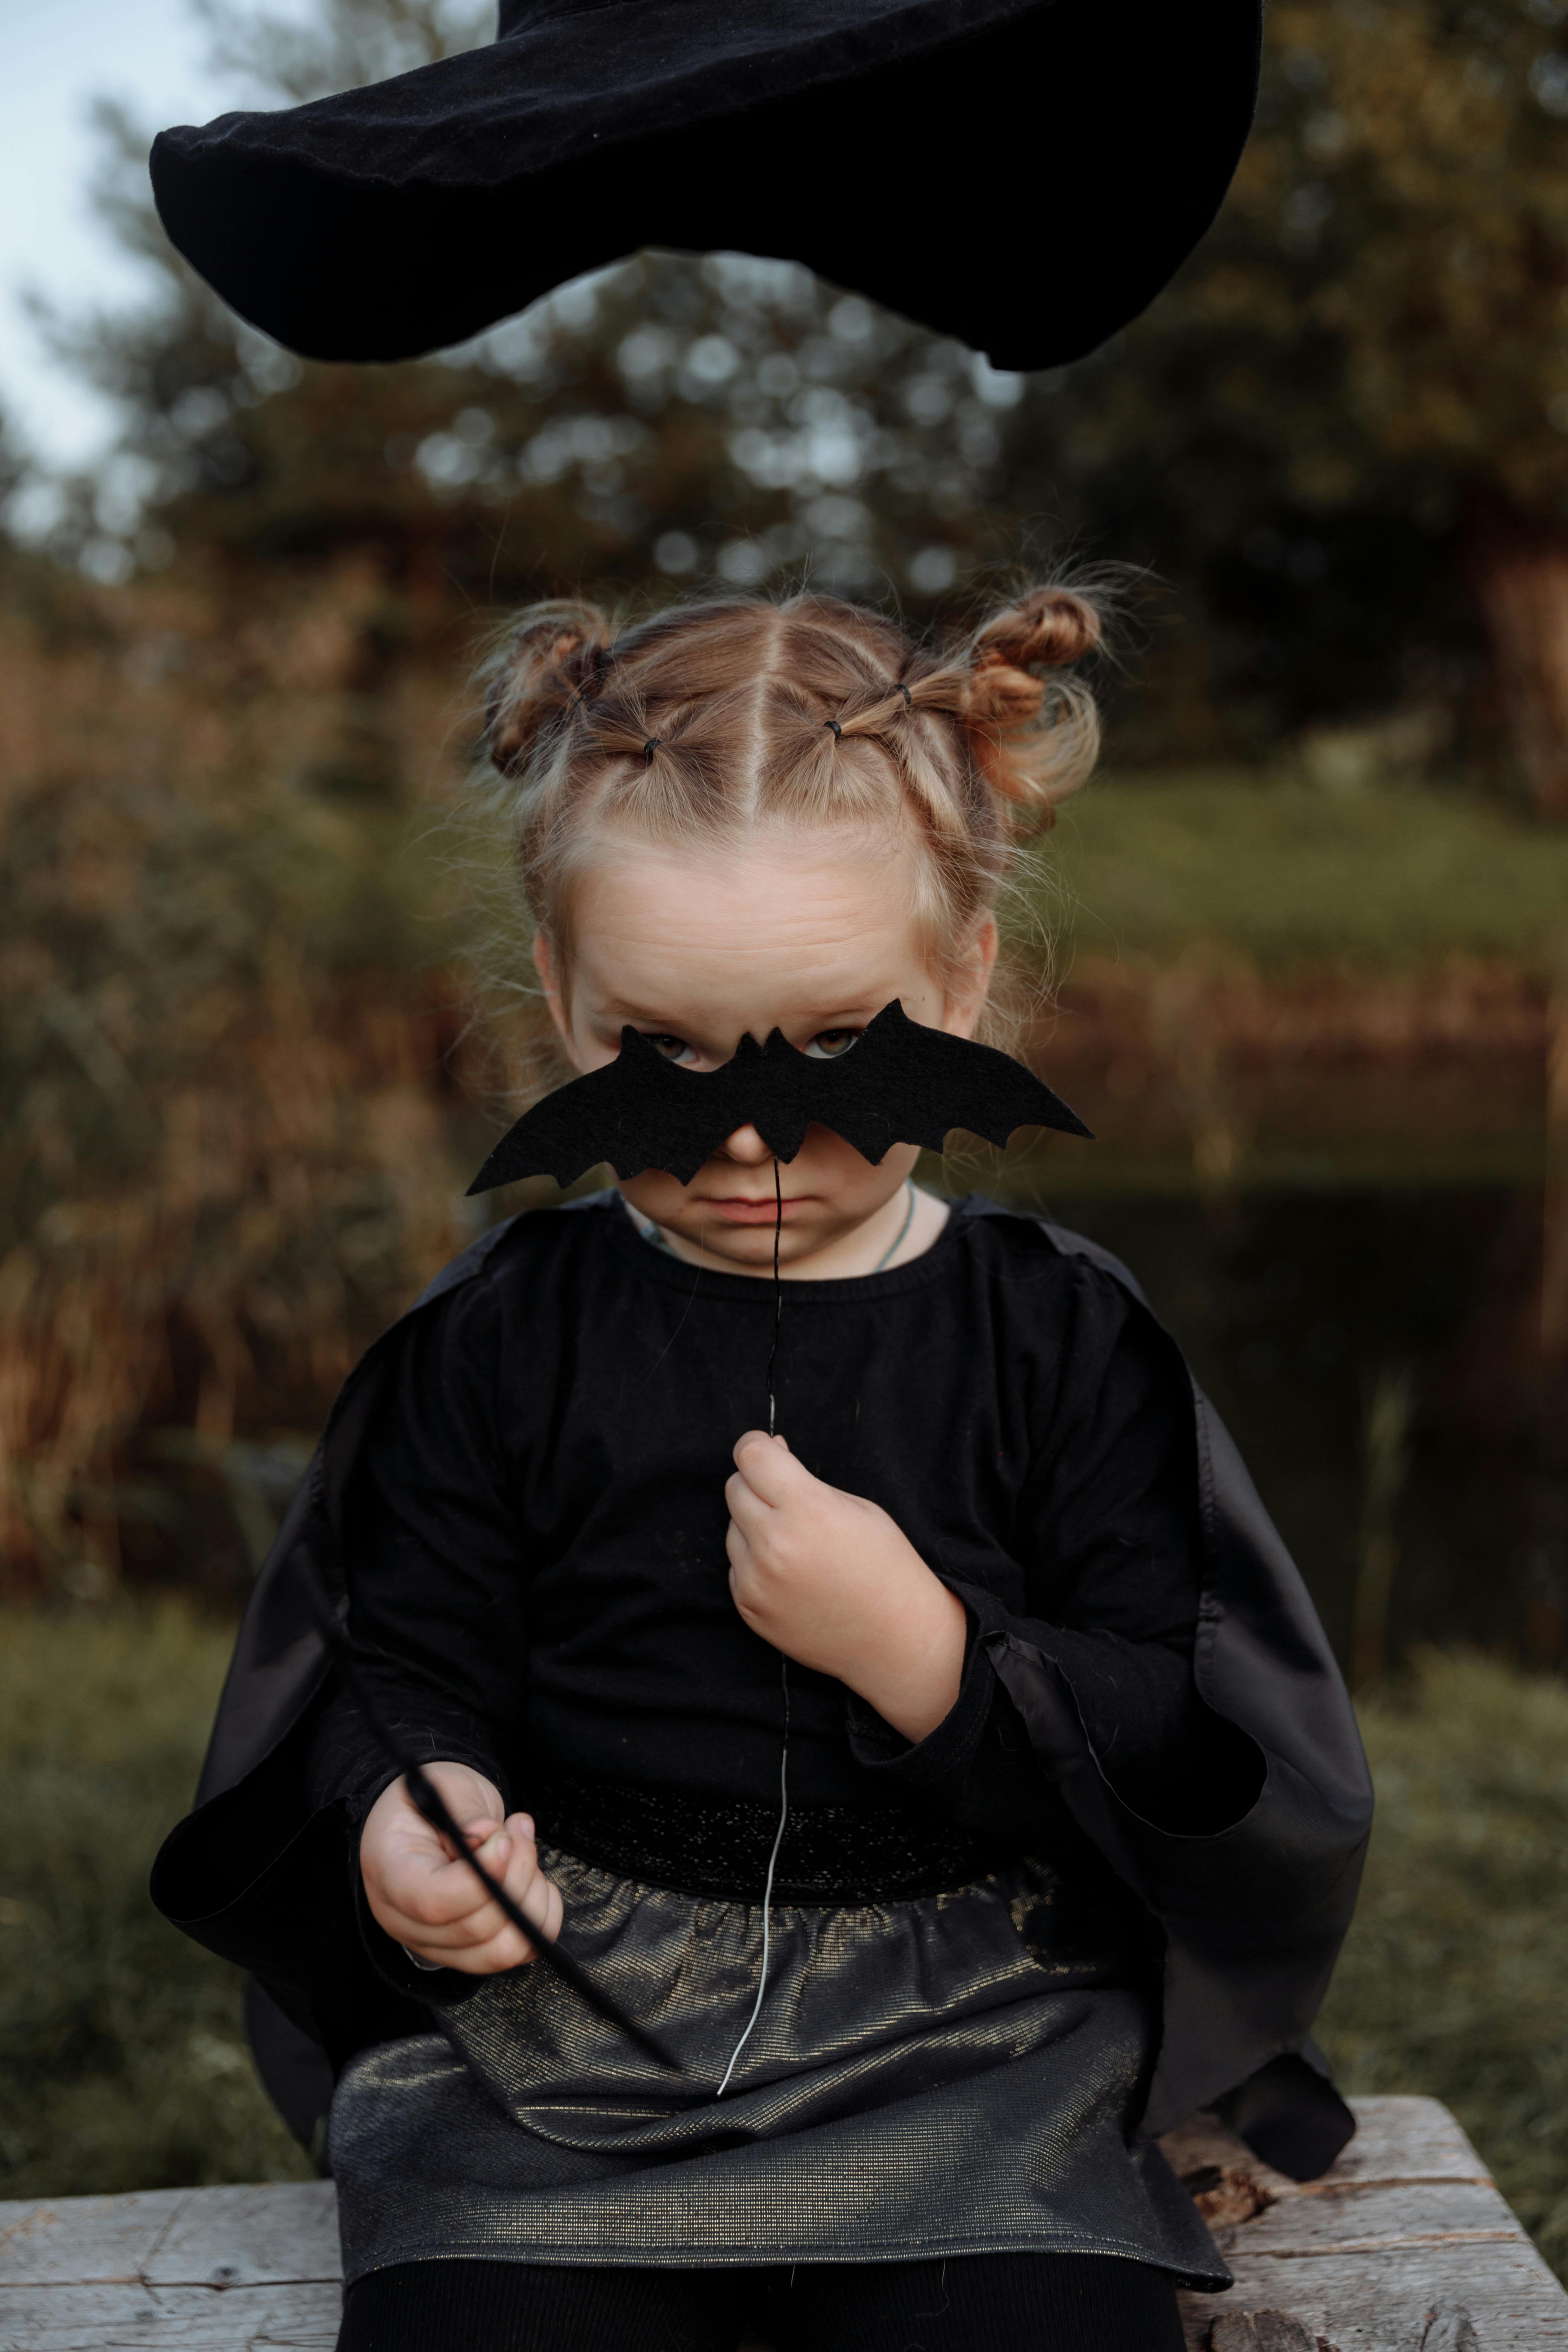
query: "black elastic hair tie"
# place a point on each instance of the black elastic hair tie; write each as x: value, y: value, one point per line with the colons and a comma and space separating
x: 651, y: 747
x: 908, y: 697
x: 837, y: 731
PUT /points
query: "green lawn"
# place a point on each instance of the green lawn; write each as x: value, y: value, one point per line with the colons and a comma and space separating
x: 123, y: 2064
x: 1288, y: 874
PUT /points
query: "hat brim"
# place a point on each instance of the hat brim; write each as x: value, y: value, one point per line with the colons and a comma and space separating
x: 1027, y: 182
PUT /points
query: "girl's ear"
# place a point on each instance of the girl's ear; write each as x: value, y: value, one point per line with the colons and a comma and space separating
x: 966, y: 996
x: 547, y: 965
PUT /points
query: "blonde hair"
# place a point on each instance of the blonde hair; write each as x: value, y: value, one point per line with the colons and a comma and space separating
x: 710, y: 720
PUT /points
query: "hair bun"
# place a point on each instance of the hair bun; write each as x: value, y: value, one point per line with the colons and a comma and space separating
x: 1035, y: 739
x: 1048, y: 629
x: 536, y: 673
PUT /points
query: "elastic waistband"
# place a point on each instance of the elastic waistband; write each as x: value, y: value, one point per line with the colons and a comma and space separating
x: 720, y: 1846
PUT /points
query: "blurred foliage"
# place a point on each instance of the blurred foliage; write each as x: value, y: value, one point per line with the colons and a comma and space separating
x: 1363, y: 360
x: 1451, y: 1981
x: 1279, y: 871
x: 122, y: 2063
x: 1339, y: 438
x: 1344, y: 432
x: 226, y: 1153
x: 122, y: 2057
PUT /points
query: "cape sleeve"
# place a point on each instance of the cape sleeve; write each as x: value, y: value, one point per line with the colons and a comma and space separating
x: 263, y: 1869
x: 1108, y: 1538
x: 1168, y: 1686
x: 434, y: 1566
x: 1253, y: 1907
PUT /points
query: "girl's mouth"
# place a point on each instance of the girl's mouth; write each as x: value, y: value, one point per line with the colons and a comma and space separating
x: 739, y: 1211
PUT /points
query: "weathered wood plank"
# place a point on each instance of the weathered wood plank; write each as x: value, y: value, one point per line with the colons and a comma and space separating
x: 1510, y: 2301
x: 1406, y: 2247
x: 215, y: 2237
x: 135, y: 2318
x: 246, y: 2237
x: 1406, y: 2139
x: 1354, y: 2220
x: 74, y: 2238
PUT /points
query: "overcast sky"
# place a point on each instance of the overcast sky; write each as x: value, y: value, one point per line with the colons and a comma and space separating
x: 56, y: 56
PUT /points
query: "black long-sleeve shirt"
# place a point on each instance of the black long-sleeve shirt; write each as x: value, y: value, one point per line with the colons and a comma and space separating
x: 536, y: 1559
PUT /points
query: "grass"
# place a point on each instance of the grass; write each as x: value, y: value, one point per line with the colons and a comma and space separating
x: 1288, y: 874
x: 123, y: 2063
x: 1451, y: 1983
x: 122, y: 2059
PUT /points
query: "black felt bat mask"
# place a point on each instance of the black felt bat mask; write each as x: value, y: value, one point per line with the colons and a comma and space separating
x: 902, y: 1083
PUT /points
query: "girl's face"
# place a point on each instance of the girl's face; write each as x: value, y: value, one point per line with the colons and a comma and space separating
x: 810, y: 932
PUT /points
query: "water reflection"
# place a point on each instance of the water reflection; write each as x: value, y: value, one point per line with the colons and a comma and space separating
x: 1378, y: 1354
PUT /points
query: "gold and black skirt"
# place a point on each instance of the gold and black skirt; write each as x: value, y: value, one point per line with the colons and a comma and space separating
x: 949, y: 2072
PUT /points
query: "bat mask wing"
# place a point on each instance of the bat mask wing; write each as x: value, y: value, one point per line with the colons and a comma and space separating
x: 902, y: 1083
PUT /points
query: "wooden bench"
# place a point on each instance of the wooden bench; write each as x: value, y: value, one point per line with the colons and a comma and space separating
x: 1406, y: 2247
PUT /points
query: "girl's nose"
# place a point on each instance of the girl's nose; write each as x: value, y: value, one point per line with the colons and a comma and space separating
x: 746, y: 1146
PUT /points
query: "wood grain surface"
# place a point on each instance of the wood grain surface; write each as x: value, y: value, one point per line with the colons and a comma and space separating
x: 1405, y: 2246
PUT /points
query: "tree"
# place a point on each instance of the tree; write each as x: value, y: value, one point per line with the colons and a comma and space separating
x: 1341, y: 438
x: 671, y: 418
x: 1354, y: 400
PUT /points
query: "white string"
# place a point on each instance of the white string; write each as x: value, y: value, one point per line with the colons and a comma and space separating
x: 768, y: 1888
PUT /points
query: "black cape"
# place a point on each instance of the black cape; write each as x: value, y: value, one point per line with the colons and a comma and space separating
x: 1253, y: 1916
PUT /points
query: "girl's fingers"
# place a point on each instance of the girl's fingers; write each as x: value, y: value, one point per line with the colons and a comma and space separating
x: 451, y: 1896
x: 486, y: 1938
x: 506, y: 1950
x: 536, y: 1896
x: 457, y: 1916
x: 747, y: 1509
x: 772, y: 1474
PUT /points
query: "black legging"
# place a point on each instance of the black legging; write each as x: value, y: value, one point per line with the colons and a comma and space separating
x: 969, y: 2302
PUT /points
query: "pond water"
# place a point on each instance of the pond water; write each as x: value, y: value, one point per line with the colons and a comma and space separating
x: 1376, y: 1351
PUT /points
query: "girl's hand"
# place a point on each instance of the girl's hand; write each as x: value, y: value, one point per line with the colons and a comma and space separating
x: 429, y: 1901
x: 831, y: 1580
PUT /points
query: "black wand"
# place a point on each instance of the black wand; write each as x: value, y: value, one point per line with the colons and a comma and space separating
x: 431, y: 1806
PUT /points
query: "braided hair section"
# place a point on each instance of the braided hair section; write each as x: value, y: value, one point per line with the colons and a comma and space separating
x: 722, y: 719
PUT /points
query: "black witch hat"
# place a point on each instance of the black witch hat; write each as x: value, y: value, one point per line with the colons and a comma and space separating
x: 1025, y: 174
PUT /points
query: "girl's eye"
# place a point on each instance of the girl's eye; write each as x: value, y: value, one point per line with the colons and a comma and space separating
x: 674, y: 1049
x: 831, y: 1045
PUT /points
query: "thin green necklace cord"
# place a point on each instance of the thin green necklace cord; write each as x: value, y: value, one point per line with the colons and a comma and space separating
x: 898, y: 1243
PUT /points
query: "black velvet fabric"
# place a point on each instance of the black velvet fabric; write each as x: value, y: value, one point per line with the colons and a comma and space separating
x: 975, y: 2302
x: 903, y: 1083
x: 896, y: 146
x: 535, y: 1530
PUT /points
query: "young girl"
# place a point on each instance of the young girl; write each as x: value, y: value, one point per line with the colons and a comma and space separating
x: 1075, y: 1803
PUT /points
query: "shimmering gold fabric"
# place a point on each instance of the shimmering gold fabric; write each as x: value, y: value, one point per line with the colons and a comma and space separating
x: 932, y: 2076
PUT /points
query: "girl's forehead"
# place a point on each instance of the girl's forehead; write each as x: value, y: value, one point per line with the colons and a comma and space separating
x: 824, y: 920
